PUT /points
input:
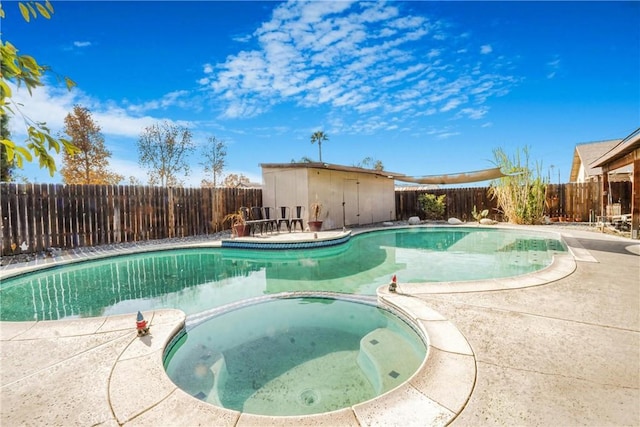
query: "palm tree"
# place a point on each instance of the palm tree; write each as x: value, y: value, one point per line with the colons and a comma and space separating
x: 318, y: 137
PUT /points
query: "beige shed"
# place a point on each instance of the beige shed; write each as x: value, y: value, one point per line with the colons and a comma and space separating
x: 349, y: 195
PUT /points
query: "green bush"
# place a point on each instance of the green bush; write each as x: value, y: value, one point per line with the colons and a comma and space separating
x: 432, y: 205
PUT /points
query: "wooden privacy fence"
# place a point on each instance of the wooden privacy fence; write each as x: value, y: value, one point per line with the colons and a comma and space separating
x: 36, y: 217
x: 576, y: 202
x: 459, y: 202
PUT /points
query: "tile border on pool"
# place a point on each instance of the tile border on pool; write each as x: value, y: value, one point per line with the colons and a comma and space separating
x: 240, y: 243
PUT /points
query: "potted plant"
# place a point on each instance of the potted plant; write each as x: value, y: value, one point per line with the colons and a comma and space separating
x: 239, y: 226
x: 316, y: 210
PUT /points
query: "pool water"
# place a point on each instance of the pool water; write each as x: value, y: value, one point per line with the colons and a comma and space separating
x: 195, y: 280
x: 295, y: 356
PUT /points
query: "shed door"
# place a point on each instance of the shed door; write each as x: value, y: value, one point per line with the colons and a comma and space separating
x: 350, y: 202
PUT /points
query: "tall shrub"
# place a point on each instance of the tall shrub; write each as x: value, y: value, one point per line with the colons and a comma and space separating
x: 520, y: 196
x: 432, y: 205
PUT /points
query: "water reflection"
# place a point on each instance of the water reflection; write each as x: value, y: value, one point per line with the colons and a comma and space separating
x: 195, y: 280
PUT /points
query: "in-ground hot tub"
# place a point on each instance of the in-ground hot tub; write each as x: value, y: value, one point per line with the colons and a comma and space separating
x: 294, y: 355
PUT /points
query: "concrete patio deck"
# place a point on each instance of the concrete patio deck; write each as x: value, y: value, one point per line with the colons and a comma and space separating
x: 562, y: 353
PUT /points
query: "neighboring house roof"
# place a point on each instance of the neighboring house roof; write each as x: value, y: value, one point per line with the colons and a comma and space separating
x: 585, y: 153
x: 405, y: 187
x: 250, y: 185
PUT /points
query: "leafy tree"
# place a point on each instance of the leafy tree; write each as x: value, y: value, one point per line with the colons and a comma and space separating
x: 368, y: 162
x: 303, y: 159
x: 24, y: 70
x: 89, y: 164
x: 318, y: 137
x: 164, y: 149
x: 6, y: 167
x: 214, y: 155
x: 233, y: 180
x: 521, y: 194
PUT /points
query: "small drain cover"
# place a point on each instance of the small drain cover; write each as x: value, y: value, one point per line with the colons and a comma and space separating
x: 309, y: 397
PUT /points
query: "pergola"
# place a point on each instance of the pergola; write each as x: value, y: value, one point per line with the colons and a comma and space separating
x: 625, y: 153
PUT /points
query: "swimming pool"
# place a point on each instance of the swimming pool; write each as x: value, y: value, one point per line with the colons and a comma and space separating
x: 295, y: 355
x: 195, y: 280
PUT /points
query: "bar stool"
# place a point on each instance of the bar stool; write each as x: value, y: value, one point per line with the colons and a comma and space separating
x: 298, y: 211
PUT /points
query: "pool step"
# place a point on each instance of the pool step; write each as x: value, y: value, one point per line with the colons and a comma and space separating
x: 385, y: 357
x: 220, y: 375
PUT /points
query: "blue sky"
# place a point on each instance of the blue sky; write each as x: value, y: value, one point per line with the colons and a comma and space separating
x: 425, y: 87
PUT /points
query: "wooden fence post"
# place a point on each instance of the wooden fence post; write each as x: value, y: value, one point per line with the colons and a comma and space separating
x: 171, y: 213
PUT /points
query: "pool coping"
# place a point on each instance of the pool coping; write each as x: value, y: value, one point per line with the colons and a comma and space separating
x: 288, y: 241
x: 438, y: 391
x: 72, y: 387
x: 139, y: 392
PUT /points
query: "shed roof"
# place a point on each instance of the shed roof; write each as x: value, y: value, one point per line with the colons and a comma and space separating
x: 329, y: 166
x: 455, y: 178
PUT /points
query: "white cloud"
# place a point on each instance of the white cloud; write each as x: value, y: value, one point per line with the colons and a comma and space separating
x: 369, y: 106
x: 442, y: 133
x: 485, y: 49
x: 403, y: 73
x: 407, y: 22
x: 242, y: 39
x: 474, y: 113
x: 452, y: 104
x: 176, y: 98
x: 128, y: 168
x: 45, y: 104
x: 81, y: 44
x: 116, y: 121
x: 553, y: 66
x: 446, y: 135
x: 359, y: 57
x: 51, y: 104
x: 433, y: 53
